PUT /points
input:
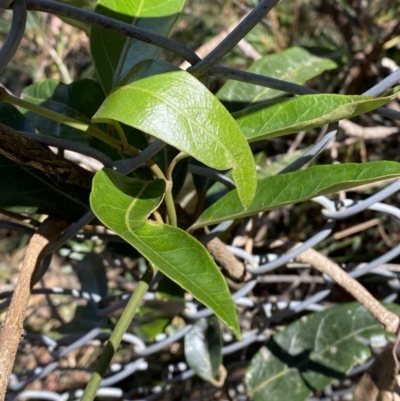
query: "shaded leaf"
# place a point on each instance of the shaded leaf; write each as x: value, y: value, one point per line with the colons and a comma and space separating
x: 172, y: 105
x: 92, y: 276
x: 295, y: 65
x: 78, y: 100
x: 203, y: 349
x: 115, y: 54
x: 284, y: 189
x: 124, y: 204
x: 10, y: 116
x: 312, y: 352
x: 28, y: 190
x: 303, y: 113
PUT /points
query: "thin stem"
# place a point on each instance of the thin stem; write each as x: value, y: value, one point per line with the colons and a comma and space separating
x: 169, y: 202
x: 169, y: 199
x: 116, y: 337
x: 123, y: 139
x: 180, y: 156
x: 52, y: 115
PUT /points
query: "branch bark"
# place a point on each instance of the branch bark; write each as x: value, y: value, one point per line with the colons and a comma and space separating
x: 12, y: 328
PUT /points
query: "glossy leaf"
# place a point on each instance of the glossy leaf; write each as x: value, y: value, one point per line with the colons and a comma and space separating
x: 172, y: 105
x: 284, y: 189
x: 124, y: 204
x: 295, y: 65
x: 203, y: 349
x: 303, y: 113
x: 312, y: 352
x: 115, y: 54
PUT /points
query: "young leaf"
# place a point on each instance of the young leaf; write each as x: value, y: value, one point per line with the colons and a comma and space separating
x: 283, y: 189
x: 172, y: 105
x: 303, y: 113
x: 124, y: 204
x: 295, y: 65
x: 312, y: 352
x: 203, y: 349
x: 114, y: 54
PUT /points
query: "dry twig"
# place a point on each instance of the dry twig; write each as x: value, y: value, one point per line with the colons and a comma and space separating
x: 388, y: 319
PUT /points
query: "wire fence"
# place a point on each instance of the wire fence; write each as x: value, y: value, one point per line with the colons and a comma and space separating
x: 172, y: 377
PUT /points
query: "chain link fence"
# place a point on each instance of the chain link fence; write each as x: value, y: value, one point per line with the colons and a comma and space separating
x: 263, y: 269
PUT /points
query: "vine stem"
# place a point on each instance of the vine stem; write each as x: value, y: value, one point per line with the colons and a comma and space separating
x: 116, y: 336
x: 169, y: 199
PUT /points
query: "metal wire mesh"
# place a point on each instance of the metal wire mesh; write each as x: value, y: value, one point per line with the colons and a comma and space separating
x: 143, y: 356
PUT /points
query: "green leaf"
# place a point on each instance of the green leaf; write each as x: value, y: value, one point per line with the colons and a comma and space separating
x: 172, y: 105
x: 203, y: 349
x: 124, y: 204
x: 295, y: 65
x: 284, y: 189
x: 303, y: 113
x: 115, y: 54
x: 312, y: 352
x: 27, y: 190
x: 78, y: 100
x: 86, y: 4
x: 10, y: 116
x: 92, y: 274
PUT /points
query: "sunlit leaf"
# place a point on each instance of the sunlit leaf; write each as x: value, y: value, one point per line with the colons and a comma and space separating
x: 312, y: 352
x: 115, y: 54
x: 295, y: 65
x: 284, y: 189
x: 303, y: 113
x: 203, y: 348
x: 124, y: 204
x: 172, y: 105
